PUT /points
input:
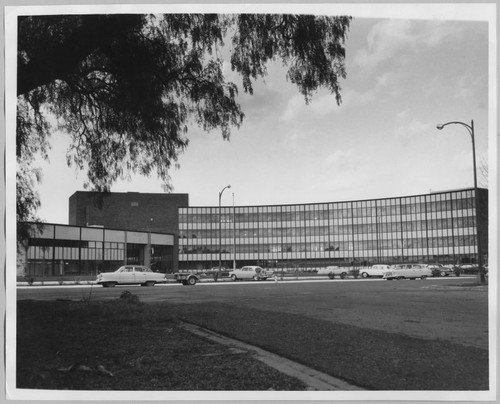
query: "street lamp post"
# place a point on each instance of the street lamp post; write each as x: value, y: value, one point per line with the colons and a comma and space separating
x: 234, y: 236
x: 220, y: 227
x: 470, y: 128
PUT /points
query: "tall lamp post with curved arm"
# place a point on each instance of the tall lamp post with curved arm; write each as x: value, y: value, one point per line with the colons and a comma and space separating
x: 470, y: 128
x: 220, y: 228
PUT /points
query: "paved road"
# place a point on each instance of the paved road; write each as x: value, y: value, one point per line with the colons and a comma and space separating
x: 443, y: 308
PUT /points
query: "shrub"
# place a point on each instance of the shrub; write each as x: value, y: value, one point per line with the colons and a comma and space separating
x: 30, y: 279
x: 436, y: 272
x: 129, y: 297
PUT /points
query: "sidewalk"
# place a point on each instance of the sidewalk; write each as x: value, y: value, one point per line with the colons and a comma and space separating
x: 314, y: 379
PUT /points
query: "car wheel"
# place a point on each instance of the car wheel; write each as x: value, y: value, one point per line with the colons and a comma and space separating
x: 192, y: 281
x: 343, y: 275
x: 364, y: 275
x: 331, y: 275
x: 233, y: 278
x: 256, y: 278
x: 150, y: 283
x: 109, y: 284
x: 423, y: 277
x: 442, y: 273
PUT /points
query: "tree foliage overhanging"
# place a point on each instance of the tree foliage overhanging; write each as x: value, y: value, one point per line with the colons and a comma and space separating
x: 126, y: 87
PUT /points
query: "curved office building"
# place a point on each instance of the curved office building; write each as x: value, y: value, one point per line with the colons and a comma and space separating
x: 436, y: 227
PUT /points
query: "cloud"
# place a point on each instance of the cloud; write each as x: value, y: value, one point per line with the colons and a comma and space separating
x: 472, y: 90
x: 433, y: 87
x: 325, y: 104
x: 408, y: 128
x: 462, y: 161
x: 320, y: 105
x: 385, y: 85
x: 340, y: 160
x: 434, y: 33
x: 403, y: 115
x: 389, y: 39
x: 383, y: 41
x: 353, y: 98
x: 293, y: 108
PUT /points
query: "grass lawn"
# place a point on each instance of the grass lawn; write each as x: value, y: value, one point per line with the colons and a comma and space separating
x: 373, y: 359
x: 123, y: 344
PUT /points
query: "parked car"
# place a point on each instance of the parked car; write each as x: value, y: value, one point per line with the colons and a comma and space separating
x: 333, y: 271
x: 130, y: 275
x: 375, y: 270
x: 440, y: 270
x: 455, y: 269
x: 468, y: 269
x: 250, y: 272
x: 407, y: 271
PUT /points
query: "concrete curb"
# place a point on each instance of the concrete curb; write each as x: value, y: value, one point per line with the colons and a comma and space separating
x: 228, y: 280
x: 314, y: 379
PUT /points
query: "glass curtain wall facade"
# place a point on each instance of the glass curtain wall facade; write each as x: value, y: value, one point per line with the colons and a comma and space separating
x: 56, y: 251
x: 437, y: 227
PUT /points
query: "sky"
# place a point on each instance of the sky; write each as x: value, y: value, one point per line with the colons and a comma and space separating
x: 404, y: 76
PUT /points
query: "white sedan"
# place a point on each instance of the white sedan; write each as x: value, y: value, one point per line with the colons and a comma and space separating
x: 375, y: 270
x: 130, y: 275
x: 408, y: 271
x: 333, y: 271
x: 250, y: 272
